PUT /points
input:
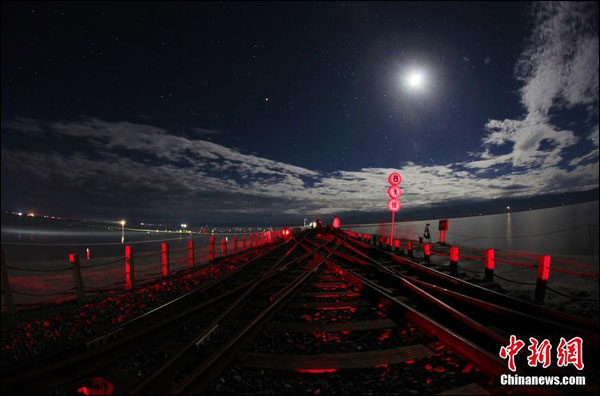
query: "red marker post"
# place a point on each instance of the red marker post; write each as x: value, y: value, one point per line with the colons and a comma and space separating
x: 454, y: 259
x: 393, y: 205
x: 542, y: 278
x: 489, y: 265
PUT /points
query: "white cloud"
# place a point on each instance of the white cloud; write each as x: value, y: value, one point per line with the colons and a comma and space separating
x: 559, y: 70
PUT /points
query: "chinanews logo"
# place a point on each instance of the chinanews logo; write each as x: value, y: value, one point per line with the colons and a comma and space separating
x: 540, y: 355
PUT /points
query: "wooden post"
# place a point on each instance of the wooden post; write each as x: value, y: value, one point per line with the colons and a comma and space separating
x: 166, y: 267
x: 542, y: 278
x: 74, y: 259
x: 129, y: 268
x: 489, y: 265
x: 427, y: 253
x: 191, y: 253
x: 409, y: 249
x: 397, y: 246
x: 235, y: 243
x: 454, y: 259
x: 243, y: 241
x: 6, y: 292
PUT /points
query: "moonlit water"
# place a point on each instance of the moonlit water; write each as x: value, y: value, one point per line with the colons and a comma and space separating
x: 26, y: 239
x: 538, y: 231
x: 514, y: 231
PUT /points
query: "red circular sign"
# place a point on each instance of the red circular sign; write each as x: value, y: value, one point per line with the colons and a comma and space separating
x: 393, y: 205
x: 395, y: 178
x: 394, y: 192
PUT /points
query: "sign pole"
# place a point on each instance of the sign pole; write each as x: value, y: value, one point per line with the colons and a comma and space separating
x: 392, y: 233
x: 394, y: 192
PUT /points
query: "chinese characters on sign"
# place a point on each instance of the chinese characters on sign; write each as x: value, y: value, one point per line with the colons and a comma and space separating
x: 568, y: 352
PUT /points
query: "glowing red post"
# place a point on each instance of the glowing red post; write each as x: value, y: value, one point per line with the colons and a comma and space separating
x: 542, y: 278
x: 166, y: 265
x: 191, y: 253
x: 74, y: 259
x: 235, y: 243
x: 409, y: 248
x: 129, y: 268
x: 397, y: 246
x: 6, y: 292
x: 211, y: 248
x: 489, y: 265
x: 454, y: 259
x: 224, y: 246
x: 427, y: 253
x: 243, y: 241
x: 87, y: 253
x: 336, y: 222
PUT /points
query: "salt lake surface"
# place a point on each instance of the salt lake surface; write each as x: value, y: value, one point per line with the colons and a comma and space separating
x: 565, y: 230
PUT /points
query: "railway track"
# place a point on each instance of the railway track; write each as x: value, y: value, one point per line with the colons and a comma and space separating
x: 337, y: 336
x: 327, y: 313
x: 45, y: 372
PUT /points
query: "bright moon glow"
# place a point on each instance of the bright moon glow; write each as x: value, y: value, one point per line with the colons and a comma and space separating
x: 415, y: 80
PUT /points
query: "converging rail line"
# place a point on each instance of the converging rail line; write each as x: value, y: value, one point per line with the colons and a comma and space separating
x: 319, y: 312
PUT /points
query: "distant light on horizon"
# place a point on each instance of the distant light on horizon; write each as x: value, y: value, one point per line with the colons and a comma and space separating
x: 122, y: 222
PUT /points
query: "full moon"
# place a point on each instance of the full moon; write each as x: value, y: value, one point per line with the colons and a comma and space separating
x: 415, y: 80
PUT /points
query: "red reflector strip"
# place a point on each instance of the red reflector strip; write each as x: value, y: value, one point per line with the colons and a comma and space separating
x: 489, y: 259
x: 544, y: 267
x: 454, y: 254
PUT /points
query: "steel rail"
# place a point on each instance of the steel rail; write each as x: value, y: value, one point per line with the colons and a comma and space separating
x: 46, y: 365
x: 467, y: 324
x: 484, y: 306
x: 221, y: 358
x: 486, y: 362
x: 411, y: 284
x: 475, y: 290
x: 160, y: 376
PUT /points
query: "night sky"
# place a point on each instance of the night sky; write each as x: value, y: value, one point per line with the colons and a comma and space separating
x: 246, y: 113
